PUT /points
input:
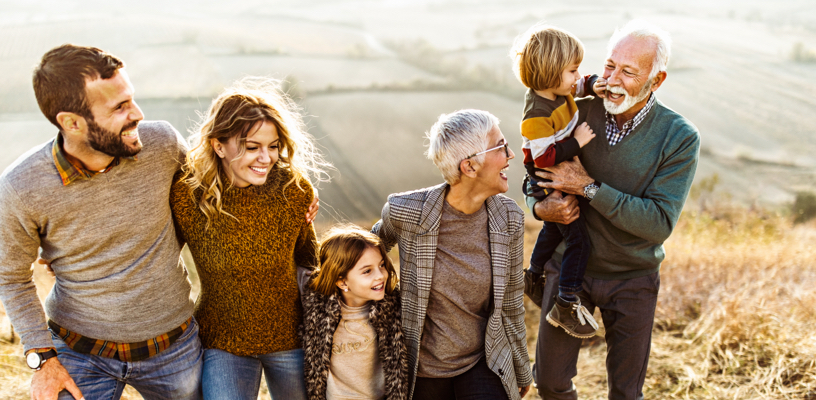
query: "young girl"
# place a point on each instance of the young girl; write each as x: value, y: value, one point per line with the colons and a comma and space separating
x: 352, y: 336
x: 546, y: 61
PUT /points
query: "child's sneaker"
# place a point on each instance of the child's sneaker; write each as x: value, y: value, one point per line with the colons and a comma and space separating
x: 534, y: 286
x: 573, y: 318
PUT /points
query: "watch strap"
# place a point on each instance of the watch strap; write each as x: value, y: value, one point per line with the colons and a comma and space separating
x: 43, y: 357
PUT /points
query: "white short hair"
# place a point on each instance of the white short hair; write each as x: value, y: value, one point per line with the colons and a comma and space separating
x: 641, y: 29
x: 456, y: 136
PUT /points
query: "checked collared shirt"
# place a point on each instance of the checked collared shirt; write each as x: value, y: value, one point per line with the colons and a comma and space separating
x: 615, y: 135
x: 70, y: 171
x: 127, y: 352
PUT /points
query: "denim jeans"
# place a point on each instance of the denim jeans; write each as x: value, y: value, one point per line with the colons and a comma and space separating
x: 227, y: 376
x: 477, y: 383
x: 576, y: 254
x: 172, y: 374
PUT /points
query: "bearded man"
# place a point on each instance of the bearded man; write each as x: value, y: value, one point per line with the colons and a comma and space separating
x: 636, y: 179
x: 95, y: 199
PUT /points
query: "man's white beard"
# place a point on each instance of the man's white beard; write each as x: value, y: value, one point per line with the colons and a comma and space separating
x: 628, y: 100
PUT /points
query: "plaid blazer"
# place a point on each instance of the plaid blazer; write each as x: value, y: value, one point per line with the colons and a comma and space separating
x: 411, y: 220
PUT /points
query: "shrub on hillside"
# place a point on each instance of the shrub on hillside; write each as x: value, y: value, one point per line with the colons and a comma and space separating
x: 804, y: 207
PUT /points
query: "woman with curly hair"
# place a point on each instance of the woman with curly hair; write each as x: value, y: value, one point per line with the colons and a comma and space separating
x: 239, y: 204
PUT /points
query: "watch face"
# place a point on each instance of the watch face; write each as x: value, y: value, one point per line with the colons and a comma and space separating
x: 33, y: 360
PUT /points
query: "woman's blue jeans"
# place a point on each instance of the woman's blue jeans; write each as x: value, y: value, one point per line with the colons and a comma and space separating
x: 230, y: 377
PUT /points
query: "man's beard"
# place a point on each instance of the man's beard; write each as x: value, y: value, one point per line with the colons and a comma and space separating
x: 110, y: 143
x: 628, y: 100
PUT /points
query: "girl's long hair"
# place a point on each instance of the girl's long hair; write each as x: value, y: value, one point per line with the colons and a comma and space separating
x: 340, y: 250
x: 235, y: 113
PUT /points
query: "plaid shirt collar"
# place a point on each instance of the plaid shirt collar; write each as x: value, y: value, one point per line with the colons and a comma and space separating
x: 70, y: 171
x: 615, y: 135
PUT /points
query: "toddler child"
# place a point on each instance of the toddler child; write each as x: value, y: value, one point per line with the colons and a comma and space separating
x: 546, y: 61
x: 352, y: 334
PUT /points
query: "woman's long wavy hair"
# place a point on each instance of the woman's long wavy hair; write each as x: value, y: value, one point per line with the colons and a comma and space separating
x: 236, y: 112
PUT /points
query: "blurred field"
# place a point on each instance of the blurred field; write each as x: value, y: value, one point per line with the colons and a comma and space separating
x: 374, y: 75
x: 734, y: 317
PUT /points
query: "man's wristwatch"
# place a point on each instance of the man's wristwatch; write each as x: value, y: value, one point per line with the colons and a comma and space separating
x: 591, y: 189
x: 36, y: 360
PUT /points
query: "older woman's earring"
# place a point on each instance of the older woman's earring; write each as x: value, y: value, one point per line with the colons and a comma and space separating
x: 345, y: 290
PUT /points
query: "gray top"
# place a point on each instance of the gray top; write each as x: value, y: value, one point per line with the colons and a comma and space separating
x: 453, y: 336
x: 110, y: 239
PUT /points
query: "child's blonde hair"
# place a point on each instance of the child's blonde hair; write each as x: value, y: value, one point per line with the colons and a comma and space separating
x: 542, y: 53
x: 340, y: 250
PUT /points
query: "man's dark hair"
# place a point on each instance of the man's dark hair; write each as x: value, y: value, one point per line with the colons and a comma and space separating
x: 59, y: 80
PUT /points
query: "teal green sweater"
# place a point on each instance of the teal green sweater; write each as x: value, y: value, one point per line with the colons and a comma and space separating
x: 645, y: 180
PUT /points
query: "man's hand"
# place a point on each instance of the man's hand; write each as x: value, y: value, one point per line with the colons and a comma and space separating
x: 311, y: 213
x: 48, y: 382
x: 583, y: 134
x: 600, y: 87
x: 558, y: 208
x: 524, y: 390
x: 568, y: 177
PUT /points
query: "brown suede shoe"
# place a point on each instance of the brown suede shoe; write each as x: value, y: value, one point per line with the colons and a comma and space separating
x: 574, y: 318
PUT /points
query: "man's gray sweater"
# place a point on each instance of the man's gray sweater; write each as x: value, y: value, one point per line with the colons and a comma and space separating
x: 110, y: 240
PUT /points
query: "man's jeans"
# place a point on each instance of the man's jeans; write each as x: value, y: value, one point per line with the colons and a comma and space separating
x: 172, y: 374
x: 628, y: 308
x: 230, y: 377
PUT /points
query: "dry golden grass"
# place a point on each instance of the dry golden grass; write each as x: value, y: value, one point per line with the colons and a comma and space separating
x: 733, y: 320
x: 734, y: 316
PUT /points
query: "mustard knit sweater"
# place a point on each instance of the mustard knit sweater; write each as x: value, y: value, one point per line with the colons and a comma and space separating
x: 249, y: 302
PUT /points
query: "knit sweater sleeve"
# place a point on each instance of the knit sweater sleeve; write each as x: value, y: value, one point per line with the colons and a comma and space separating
x: 654, y: 215
x: 180, y: 203
x: 19, y: 243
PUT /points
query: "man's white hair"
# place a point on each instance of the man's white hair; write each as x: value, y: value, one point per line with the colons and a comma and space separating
x: 456, y: 136
x: 641, y: 29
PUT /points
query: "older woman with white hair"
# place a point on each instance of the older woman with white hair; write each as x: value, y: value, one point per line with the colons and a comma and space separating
x: 461, y: 247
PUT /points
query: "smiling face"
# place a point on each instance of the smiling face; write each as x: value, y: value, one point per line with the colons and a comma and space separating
x: 252, y: 166
x: 366, y: 280
x: 113, y: 130
x: 569, y: 76
x: 491, y: 173
x: 627, y: 73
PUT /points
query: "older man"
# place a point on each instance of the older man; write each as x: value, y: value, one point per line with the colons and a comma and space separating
x: 461, y: 246
x: 637, y: 179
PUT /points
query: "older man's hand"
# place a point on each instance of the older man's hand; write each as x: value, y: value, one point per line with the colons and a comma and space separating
x: 558, y: 208
x: 568, y: 177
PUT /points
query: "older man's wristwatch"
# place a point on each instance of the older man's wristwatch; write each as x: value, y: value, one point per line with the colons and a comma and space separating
x: 591, y: 189
x: 35, y: 360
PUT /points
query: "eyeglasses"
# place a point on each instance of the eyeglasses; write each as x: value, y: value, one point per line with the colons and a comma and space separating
x: 506, y: 151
